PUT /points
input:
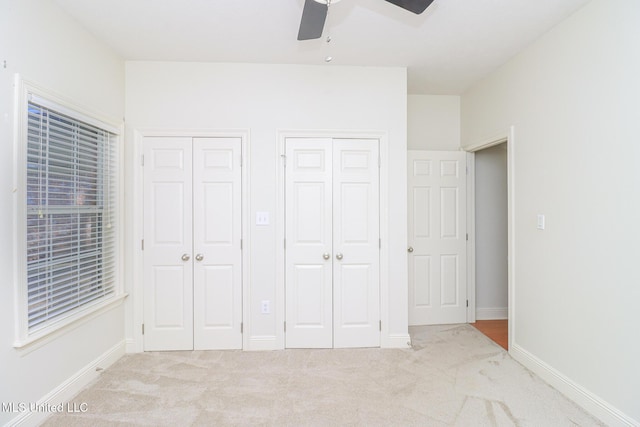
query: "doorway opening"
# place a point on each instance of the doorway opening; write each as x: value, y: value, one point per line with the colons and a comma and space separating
x: 491, y: 246
x: 491, y: 242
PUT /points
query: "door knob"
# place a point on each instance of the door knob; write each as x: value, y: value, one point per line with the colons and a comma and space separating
x: 185, y: 257
x: 410, y: 249
x: 326, y: 255
x: 338, y: 256
x: 199, y: 257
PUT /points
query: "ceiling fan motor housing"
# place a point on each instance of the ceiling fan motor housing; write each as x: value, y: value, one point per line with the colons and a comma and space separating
x: 314, y: 14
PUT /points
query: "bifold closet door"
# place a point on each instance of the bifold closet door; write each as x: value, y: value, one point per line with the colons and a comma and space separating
x: 217, y: 304
x: 168, y: 243
x: 192, y: 243
x: 356, y: 243
x: 332, y: 284
x: 309, y: 243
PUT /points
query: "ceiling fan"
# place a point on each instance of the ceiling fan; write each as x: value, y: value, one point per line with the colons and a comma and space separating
x: 315, y: 12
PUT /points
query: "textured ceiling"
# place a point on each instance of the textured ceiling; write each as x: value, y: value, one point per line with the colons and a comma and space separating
x: 450, y: 46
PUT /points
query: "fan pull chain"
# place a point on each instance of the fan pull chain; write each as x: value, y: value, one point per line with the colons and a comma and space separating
x: 328, y: 58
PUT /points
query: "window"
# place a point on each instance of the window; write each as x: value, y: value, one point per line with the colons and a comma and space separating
x: 69, y: 215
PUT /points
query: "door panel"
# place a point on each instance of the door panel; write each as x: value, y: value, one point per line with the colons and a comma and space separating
x: 308, y: 288
x: 449, y: 281
x: 169, y: 301
x: 421, y: 272
x: 219, y: 295
x: 308, y: 214
x: 437, y: 234
x: 449, y: 213
x: 354, y: 293
x: 217, y: 232
x: 421, y: 211
x: 218, y: 205
x: 163, y: 199
x: 168, y: 309
x: 308, y: 284
x: 356, y: 233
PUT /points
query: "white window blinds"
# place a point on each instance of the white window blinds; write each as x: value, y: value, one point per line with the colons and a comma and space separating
x: 70, y: 215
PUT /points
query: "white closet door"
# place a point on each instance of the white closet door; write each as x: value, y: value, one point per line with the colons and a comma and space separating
x: 168, y: 273
x: 332, y: 243
x: 308, y: 268
x: 217, y: 253
x: 356, y: 261
x: 437, y: 237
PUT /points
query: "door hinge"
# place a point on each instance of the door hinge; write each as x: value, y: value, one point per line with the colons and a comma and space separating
x: 467, y: 303
x: 240, y: 244
x: 380, y: 325
x: 284, y: 159
x: 467, y: 237
x: 379, y: 162
x: 466, y: 169
x: 285, y: 326
x: 143, y: 329
x: 240, y: 160
x: 142, y: 244
x: 285, y: 243
x: 241, y: 327
x: 142, y: 160
x: 379, y: 243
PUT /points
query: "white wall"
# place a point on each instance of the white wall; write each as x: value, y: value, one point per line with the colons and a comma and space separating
x: 433, y: 122
x: 573, y: 98
x: 265, y: 99
x: 491, y: 232
x: 48, y: 48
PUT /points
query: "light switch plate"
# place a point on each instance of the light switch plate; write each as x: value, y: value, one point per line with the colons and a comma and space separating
x: 262, y: 218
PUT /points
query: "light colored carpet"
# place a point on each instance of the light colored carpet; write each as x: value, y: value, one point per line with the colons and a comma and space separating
x: 453, y: 376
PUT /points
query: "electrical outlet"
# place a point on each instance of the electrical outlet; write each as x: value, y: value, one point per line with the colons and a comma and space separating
x: 262, y: 218
x: 265, y: 307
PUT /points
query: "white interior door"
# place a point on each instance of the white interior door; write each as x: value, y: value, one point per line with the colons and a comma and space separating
x: 332, y: 210
x: 192, y: 243
x: 217, y: 249
x: 356, y: 243
x: 309, y: 243
x: 168, y: 272
x: 437, y: 237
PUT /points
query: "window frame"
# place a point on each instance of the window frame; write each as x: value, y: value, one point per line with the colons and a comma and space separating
x: 26, y: 92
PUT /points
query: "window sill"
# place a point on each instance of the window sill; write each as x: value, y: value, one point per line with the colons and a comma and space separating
x: 38, y: 339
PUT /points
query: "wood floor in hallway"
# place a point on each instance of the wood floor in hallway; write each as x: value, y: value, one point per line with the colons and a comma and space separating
x: 497, y: 330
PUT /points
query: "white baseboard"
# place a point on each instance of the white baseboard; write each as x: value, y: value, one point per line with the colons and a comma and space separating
x: 607, y: 413
x: 396, y: 341
x: 496, y: 313
x: 132, y: 346
x: 70, y: 388
x: 270, y: 342
x: 263, y: 342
